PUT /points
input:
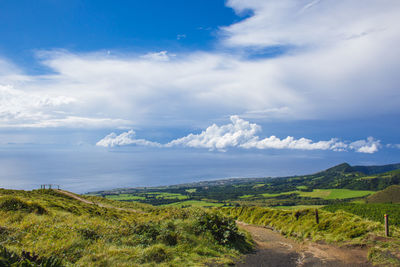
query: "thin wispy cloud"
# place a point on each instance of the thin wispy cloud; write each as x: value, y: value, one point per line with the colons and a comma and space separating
x: 241, y: 134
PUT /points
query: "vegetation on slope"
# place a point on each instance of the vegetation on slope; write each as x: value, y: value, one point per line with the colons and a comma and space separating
x: 339, y: 226
x: 388, y: 195
x: 343, y: 181
x: 373, y: 212
x: 50, y: 224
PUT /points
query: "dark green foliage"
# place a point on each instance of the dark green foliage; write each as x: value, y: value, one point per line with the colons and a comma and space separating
x: 223, y: 229
x: 147, y: 232
x: 374, y: 212
x: 156, y: 254
x: 369, y: 170
x: 88, y: 234
x: 26, y: 259
x: 15, y: 204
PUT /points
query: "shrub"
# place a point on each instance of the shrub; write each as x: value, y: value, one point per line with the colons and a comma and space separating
x: 156, y: 253
x: 26, y: 259
x: 15, y: 204
x: 223, y: 229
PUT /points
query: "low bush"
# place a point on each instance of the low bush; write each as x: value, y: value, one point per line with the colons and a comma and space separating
x: 15, y: 204
x: 26, y: 259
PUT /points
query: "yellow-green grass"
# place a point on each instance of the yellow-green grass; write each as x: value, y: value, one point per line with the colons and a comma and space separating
x: 258, y: 185
x: 194, y: 203
x: 299, y: 207
x: 334, y: 227
x: 246, y: 196
x: 335, y: 193
x: 122, y: 197
x: 192, y: 190
x: 166, y: 195
x: 277, y: 194
x: 301, y: 187
x: 326, y: 193
x: 48, y: 223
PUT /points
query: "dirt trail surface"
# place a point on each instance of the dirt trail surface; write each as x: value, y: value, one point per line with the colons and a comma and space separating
x: 274, y: 250
x: 69, y: 194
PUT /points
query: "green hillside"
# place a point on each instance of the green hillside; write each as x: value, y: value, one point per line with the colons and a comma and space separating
x: 59, y: 230
x: 341, y: 183
x: 389, y: 195
x: 369, y: 170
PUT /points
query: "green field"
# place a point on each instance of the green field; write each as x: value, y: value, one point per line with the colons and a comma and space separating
x: 166, y: 195
x: 258, y: 185
x: 144, y: 196
x: 299, y: 207
x: 335, y: 193
x: 193, y: 190
x: 277, y: 194
x: 318, y: 193
x: 194, y: 203
x: 246, y: 196
x: 122, y: 197
x: 301, y: 187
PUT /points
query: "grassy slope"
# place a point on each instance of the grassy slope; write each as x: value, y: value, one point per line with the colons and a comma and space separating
x: 388, y: 195
x: 80, y: 234
x: 340, y: 227
x: 373, y: 211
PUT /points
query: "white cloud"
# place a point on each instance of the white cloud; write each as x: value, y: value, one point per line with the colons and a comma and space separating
x: 158, y: 56
x: 309, y: 22
x: 241, y: 134
x: 23, y: 109
x: 344, y: 65
x: 393, y: 146
x: 126, y: 138
x: 366, y: 146
x: 220, y: 137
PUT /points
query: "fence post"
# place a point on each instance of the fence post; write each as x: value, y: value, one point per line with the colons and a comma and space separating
x: 316, y: 216
x: 387, y: 225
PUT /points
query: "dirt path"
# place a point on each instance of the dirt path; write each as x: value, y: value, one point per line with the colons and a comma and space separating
x: 69, y: 194
x: 273, y: 250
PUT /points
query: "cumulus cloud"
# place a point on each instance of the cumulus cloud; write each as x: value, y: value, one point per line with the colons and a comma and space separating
x: 220, y: 137
x: 241, y: 134
x: 366, y: 146
x: 126, y: 138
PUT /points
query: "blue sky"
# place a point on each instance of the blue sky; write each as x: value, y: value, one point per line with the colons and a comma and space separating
x: 100, y: 94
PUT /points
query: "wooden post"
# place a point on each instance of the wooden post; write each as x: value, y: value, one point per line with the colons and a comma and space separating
x: 316, y: 216
x: 387, y: 225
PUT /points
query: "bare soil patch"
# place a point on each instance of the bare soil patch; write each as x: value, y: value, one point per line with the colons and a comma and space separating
x: 273, y: 249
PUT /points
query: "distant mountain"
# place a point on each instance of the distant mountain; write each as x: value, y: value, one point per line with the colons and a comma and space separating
x: 341, y: 168
x: 389, y: 195
x: 342, y: 176
x: 355, y: 177
x: 369, y: 170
